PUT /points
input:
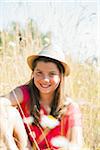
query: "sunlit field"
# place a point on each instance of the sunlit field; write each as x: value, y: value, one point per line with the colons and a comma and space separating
x: 83, y: 84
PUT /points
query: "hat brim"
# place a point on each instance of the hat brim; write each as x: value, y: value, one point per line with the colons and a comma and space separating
x: 31, y: 58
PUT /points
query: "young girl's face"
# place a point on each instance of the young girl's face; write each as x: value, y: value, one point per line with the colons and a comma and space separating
x: 46, y: 77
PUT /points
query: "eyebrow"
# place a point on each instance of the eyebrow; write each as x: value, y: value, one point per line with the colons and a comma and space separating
x: 38, y: 69
x: 49, y: 71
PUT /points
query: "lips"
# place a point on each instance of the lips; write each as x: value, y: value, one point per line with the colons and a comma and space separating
x: 45, y: 86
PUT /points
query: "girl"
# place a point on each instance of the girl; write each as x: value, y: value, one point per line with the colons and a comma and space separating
x: 52, y: 121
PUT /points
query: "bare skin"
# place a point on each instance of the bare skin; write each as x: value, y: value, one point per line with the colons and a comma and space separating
x: 13, y: 135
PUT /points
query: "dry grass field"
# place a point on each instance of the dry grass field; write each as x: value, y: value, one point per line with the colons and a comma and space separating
x: 83, y: 84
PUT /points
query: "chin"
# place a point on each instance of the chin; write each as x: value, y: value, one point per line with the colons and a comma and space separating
x: 45, y: 91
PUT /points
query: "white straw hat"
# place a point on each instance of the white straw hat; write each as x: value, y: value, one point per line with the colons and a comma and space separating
x: 51, y: 53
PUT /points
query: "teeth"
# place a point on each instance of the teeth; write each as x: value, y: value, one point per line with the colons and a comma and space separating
x: 45, y: 86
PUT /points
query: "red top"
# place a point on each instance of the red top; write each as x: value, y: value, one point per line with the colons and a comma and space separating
x: 70, y: 119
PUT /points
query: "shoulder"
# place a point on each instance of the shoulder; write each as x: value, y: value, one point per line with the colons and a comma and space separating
x: 72, y: 106
x: 18, y: 95
x: 73, y: 114
x: 15, y: 96
x: 25, y: 93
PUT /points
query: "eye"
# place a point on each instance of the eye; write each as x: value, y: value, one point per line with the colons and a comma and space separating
x: 51, y: 74
x: 38, y: 73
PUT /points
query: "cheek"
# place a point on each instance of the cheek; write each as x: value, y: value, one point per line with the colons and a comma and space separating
x: 56, y: 80
x: 36, y: 80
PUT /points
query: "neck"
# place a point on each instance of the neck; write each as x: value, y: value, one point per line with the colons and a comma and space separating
x: 46, y: 99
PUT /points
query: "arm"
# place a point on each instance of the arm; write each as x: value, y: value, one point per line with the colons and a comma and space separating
x: 13, y: 134
x: 19, y: 132
x: 73, y: 139
x: 6, y: 138
x: 74, y: 134
x: 73, y: 142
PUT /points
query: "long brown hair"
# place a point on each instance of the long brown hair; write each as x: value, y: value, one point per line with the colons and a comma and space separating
x: 35, y: 95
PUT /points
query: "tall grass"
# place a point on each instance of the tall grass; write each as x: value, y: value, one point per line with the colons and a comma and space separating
x: 83, y: 84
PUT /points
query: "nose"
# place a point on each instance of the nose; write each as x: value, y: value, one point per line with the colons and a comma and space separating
x: 46, y: 78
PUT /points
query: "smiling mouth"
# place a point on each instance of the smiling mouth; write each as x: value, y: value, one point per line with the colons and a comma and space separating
x: 45, y: 86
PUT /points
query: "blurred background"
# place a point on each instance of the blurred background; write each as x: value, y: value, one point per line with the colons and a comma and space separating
x: 27, y: 26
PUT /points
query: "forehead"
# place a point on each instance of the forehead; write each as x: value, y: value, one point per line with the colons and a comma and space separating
x: 46, y: 66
